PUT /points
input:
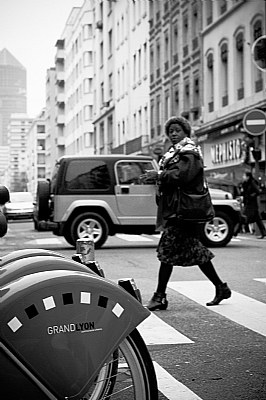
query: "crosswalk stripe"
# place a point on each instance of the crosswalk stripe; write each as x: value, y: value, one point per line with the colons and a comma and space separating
x: 155, y: 331
x: 239, y: 308
x: 133, y: 238
x: 263, y: 280
x: 46, y: 241
x: 170, y: 387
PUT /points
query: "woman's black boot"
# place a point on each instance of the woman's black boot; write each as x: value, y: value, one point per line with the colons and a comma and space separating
x: 157, y: 302
x: 222, y: 292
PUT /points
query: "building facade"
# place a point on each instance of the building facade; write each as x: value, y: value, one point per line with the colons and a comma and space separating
x: 175, y: 65
x: 121, y: 113
x: 232, y: 84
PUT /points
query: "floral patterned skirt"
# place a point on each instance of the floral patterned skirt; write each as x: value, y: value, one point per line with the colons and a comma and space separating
x: 180, y: 245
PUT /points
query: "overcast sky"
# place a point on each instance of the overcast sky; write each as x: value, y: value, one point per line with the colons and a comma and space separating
x: 29, y: 29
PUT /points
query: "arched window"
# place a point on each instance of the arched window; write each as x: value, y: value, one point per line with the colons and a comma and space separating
x: 224, y: 74
x: 258, y: 81
x: 239, y: 43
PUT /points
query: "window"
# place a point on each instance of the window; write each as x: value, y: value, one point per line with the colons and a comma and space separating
x: 186, y: 96
x: 158, y: 114
x: 40, y: 144
x: 224, y: 74
x: 134, y: 68
x: 110, y: 43
x: 40, y: 158
x: 139, y: 64
x: 87, y: 174
x: 210, y: 82
x: 102, y: 93
x: 87, y: 85
x: 87, y: 58
x: 110, y: 85
x: 196, y: 99
x: 88, y: 113
x: 239, y: 42
x: 166, y: 51
x: 128, y: 172
x: 208, y: 10
x: 145, y: 62
x: 87, y: 31
x: 40, y: 128
x: 158, y: 59
x: 101, y: 53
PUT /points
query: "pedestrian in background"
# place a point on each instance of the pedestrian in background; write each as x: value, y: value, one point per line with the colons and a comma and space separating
x: 179, y: 245
x: 251, y: 192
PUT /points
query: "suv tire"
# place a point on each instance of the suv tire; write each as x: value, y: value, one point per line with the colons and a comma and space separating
x: 82, y: 224
x: 42, y: 200
x: 219, y: 231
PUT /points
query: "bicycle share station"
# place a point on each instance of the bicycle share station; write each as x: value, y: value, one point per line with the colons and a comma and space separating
x: 66, y: 331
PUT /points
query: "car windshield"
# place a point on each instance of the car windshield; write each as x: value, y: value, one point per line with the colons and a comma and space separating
x: 18, y: 197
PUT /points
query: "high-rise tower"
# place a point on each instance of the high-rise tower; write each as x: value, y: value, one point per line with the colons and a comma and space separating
x: 12, y: 91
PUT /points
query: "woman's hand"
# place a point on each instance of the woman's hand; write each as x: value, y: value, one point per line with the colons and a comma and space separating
x: 150, y: 176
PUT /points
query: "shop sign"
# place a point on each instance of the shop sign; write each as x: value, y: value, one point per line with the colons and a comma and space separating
x: 226, y: 151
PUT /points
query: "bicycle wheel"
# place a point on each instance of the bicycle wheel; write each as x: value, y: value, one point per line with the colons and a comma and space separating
x: 129, y: 375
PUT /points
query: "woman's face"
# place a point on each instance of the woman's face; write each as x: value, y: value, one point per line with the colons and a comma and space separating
x: 176, y: 133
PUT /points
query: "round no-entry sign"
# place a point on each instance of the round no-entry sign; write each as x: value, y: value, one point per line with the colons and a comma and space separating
x: 254, y: 122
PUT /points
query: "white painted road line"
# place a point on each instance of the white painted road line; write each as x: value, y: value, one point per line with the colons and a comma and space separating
x: 133, y: 238
x: 241, y: 309
x: 263, y: 280
x: 46, y: 241
x: 170, y: 387
x: 155, y: 331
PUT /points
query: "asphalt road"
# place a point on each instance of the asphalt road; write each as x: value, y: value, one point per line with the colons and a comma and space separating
x: 199, y: 352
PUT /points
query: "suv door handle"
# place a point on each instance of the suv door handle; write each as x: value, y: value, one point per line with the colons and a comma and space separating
x: 125, y: 190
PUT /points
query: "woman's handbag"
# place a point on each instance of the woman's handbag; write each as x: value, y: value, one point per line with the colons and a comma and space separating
x: 195, y: 207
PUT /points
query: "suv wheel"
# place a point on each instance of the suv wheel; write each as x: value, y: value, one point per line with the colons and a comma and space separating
x: 42, y: 201
x: 219, y: 231
x: 85, y: 225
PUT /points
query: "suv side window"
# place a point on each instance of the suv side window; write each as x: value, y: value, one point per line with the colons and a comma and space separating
x: 128, y: 172
x: 87, y: 174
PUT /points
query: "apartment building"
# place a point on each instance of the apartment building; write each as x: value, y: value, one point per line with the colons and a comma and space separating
x: 175, y: 65
x: 121, y: 91
x: 12, y: 91
x: 18, y: 130
x: 52, y: 141
x: 36, y: 152
x: 232, y: 84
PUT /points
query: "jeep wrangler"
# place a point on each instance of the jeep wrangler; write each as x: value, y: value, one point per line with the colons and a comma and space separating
x: 102, y: 195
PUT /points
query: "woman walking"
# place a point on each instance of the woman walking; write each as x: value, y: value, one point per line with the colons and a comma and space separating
x: 182, y: 166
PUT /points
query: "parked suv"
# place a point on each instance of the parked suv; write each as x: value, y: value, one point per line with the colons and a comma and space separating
x: 102, y: 195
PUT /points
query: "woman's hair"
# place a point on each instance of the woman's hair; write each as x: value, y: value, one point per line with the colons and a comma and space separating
x: 183, y: 122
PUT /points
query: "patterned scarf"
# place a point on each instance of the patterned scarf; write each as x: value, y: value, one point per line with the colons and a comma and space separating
x: 184, y: 145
